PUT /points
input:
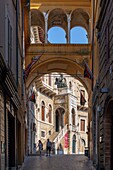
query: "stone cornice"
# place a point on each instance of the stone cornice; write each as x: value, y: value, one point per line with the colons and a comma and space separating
x: 79, y: 49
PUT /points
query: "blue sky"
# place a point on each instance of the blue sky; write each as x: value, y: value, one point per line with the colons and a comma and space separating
x: 57, y: 35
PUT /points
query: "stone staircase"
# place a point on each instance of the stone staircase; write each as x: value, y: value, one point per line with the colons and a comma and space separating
x: 56, y: 138
x: 51, y: 138
x: 59, y: 137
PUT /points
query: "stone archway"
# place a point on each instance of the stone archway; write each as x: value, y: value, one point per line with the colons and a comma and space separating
x: 66, y: 58
x: 108, y: 134
x: 59, y: 119
x: 80, y: 18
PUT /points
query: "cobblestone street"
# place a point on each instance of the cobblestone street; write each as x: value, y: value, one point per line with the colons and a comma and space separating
x: 58, y: 162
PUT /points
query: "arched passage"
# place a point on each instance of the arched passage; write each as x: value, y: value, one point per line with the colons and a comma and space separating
x: 64, y: 64
x: 59, y: 119
x: 67, y: 59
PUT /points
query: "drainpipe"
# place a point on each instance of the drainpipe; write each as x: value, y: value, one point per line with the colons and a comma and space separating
x: 93, y: 42
x: 16, y: 70
x: 22, y: 50
x: 17, y: 42
x: 5, y: 128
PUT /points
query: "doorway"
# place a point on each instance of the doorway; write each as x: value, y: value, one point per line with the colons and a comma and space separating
x: 74, y: 144
x: 59, y: 119
x: 11, y: 140
x: 108, y: 135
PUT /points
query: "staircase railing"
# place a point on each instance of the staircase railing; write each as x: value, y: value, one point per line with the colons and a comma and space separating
x: 59, y: 137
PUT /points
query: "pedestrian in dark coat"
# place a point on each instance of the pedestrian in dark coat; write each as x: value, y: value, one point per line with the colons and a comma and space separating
x: 48, y: 147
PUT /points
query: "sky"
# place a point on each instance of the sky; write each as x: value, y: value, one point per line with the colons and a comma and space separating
x: 78, y: 35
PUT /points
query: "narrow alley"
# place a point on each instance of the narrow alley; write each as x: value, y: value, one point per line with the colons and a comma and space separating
x: 56, y: 84
x: 58, y: 162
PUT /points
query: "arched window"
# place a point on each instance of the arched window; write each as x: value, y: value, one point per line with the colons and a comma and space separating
x: 79, y: 35
x: 50, y: 113
x: 70, y: 85
x: 56, y: 35
x: 73, y: 116
x: 43, y: 110
x: 82, y: 97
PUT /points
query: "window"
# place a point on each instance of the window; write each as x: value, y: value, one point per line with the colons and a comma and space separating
x: 34, y: 127
x: 43, y: 111
x: 43, y: 134
x: 73, y: 116
x: 82, y: 128
x: 82, y: 97
x: 50, y: 111
x: 70, y: 85
x: 49, y: 132
x: 9, y: 44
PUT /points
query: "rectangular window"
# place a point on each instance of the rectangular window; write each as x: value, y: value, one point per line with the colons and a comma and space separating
x: 82, y: 123
x: 43, y: 134
x: 9, y: 44
x: 49, y: 132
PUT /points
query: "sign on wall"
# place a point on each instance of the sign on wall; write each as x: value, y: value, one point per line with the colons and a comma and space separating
x: 66, y: 140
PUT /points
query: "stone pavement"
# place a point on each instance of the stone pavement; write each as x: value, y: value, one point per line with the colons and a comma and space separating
x: 57, y: 162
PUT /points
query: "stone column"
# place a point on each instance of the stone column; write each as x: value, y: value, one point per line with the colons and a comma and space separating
x: 46, y: 26
x: 68, y: 34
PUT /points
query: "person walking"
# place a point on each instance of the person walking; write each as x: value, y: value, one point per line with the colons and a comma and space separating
x: 48, y: 147
x: 40, y: 145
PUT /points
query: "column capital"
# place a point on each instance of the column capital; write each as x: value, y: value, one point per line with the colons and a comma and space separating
x: 69, y: 16
x: 46, y: 14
